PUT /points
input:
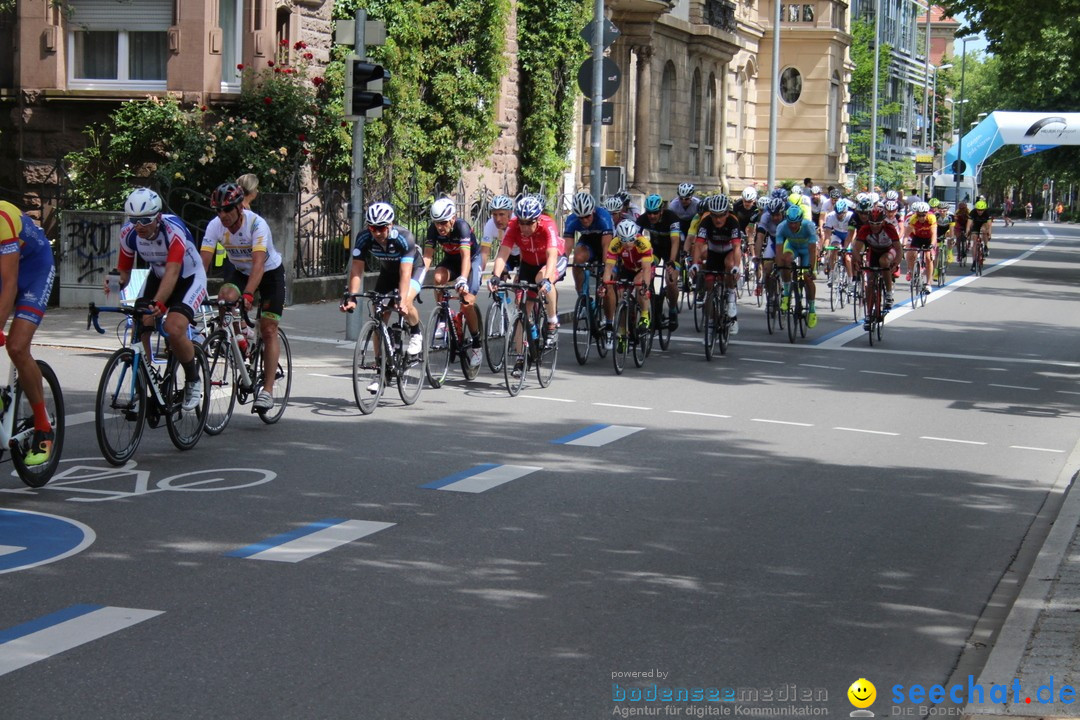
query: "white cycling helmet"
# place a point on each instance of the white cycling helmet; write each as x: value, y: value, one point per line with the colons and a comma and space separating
x: 686, y: 190
x: 816, y: 190
x: 142, y: 202
x: 614, y: 204
x: 380, y: 214
x: 920, y: 207
x: 718, y: 204
x: 501, y: 202
x: 627, y: 232
x: 892, y: 195
x: 443, y: 209
x: 763, y: 202
x: 583, y: 204
x: 749, y: 194
x: 796, y: 189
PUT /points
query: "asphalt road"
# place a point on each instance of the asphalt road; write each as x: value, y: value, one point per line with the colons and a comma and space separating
x: 788, y: 515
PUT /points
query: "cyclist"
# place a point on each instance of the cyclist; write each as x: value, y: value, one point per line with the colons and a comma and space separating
x: 461, y: 259
x: 747, y: 213
x: 979, y: 223
x: 401, y: 268
x: 26, y: 278
x: 837, y: 227
x: 593, y: 227
x: 618, y: 209
x: 687, y: 207
x: 719, y: 249
x: 944, y: 223
x: 662, y: 227
x: 818, y: 210
x: 798, y: 236
x: 501, y: 208
x: 881, y: 243
x: 254, y: 265
x: 922, y: 232
x: 1027, y: 210
x: 542, y: 261
x: 629, y: 210
x: 765, y: 242
x: 176, y: 284
x: 629, y: 256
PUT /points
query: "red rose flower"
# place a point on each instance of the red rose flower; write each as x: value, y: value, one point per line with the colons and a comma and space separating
x: 284, y: 43
x: 270, y: 63
x: 268, y: 100
x: 301, y: 137
x: 240, y: 66
x: 308, y: 56
x: 300, y: 45
x: 204, y: 108
x: 317, y: 81
x: 305, y: 151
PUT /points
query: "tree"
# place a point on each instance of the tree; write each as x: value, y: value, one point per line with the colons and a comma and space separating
x: 861, y: 88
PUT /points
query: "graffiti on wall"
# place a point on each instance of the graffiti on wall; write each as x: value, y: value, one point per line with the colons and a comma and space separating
x: 90, y: 247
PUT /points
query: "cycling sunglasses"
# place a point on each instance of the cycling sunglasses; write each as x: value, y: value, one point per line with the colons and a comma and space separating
x: 143, y: 221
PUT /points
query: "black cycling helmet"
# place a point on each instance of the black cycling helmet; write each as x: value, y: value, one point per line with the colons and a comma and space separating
x: 226, y: 196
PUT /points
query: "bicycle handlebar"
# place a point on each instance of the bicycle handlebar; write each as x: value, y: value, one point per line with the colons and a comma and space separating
x: 129, y: 310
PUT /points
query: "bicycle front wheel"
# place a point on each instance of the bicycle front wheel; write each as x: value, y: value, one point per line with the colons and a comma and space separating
x: 662, y: 320
x: 120, y: 409
x: 222, y: 374
x: 517, y: 357
x: 639, y: 336
x: 583, y: 330
x: 549, y: 354
x: 22, y: 431
x: 282, y: 377
x: 410, y: 370
x: 622, y: 337
x: 467, y: 336
x: 438, y: 347
x: 369, y: 369
x: 185, y: 426
x: 496, y: 326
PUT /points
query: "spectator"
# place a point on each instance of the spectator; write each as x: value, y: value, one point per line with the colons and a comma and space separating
x: 249, y: 183
x: 1058, y: 209
x: 1007, y: 212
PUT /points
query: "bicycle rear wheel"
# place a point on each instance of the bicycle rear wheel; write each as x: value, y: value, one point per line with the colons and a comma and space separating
x: 699, y: 310
x: 622, y: 337
x: 410, y: 368
x: 723, y: 327
x: 496, y: 325
x: 282, y: 377
x: 710, y: 313
x: 597, y: 323
x: 583, y: 330
x: 185, y: 426
x: 516, y: 352
x: 467, y: 336
x: 120, y: 407
x: 661, y: 320
x: 791, y: 321
x: 369, y: 368
x: 23, y: 428
x: 548, y: 353
x: 438, y: 346
x: 222, y: 374
x: 639, y: 337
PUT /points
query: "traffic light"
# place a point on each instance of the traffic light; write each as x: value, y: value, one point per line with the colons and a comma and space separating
x: 363, y: 89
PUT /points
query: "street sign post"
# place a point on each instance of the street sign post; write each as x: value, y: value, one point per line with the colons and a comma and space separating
x: 611, y: 33
x: 611, y: 80
x: 607, y: 113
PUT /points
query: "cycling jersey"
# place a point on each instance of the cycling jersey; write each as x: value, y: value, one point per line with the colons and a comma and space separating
x: 839, y: 227
x: 662, y: 232
x: 492, y: 236
x: 979, y: 218
x: 816, y: 208
x: 807, y: 233
x: 686, y: 214
x: 534, y: 248
x: 601, y: 224
x: 746, y: 216
x: 634, y: 257
x: 879, y: 238
x: 922, y: 227
x: 720, y: 239
x: 20, y: 234
x: 171, y: 243
x: 253, y: 235
x: 400, y: 247
x: 461, y: 237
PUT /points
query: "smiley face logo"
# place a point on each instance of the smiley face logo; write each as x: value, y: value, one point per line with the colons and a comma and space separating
x: 862, y: 693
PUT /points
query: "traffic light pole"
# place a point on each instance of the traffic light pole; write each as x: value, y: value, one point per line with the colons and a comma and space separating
x: 355, y: 319
x: 597, y: 97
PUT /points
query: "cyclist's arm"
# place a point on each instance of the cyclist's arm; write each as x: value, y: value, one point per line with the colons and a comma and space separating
x: 168, y: 281
x: 207, y: 256
x: 9, y: 284
x: 550, y: 271
x: 500, y: 259
x: 404, y: 280
x: 258, y: 263
x: 429, y: 254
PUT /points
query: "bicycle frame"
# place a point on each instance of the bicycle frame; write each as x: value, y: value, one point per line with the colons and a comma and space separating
x: 228, y: 314
x: 7, y: 419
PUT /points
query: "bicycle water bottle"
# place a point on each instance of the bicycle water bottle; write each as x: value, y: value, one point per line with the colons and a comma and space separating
x: 533, y: 332
x: 113, y: 283
x: 246, y: 339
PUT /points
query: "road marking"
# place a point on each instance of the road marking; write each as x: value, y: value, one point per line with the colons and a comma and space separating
x: 952, y: 440
x: 309, y: 540
x: 8, y: 549
x: 29, y: 539
x: 822, y: 367
x: 781, y: 422
x: 1068, y: 392
x: 482, y: 477
x: 702, y: 414
x: 863, y: 430
x: 79, y: 418
x: 758, y: 360
x: 624, y: 407
x: 545, y: 397
x: 1013, y: 387
x: 597, y: 435
x: 878, y: 372
x: 332, y: 377
x: 39, y: 639
x: 1037, y: 449
x: 964, y: 382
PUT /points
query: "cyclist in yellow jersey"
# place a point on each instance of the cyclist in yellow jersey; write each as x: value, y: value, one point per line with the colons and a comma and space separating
x: 26, y: 278
x: 629, y: 256
x: 922, y: 233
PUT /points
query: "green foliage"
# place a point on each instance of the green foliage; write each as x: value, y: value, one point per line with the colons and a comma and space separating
x: 549, y: 54
x: 861, y: 89
x: 446, y: 60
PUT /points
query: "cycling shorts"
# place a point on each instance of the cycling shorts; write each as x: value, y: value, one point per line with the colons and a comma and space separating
x: 874, y: 255
x: 714, y: 261
x: 915, y: 243
x: 34, y: 287
x: 594, y: 243
x: 271, y: 289
x: 799, y: 250
x: 528, y: 272
x: 453, y: 264
x: 390, y: 277
x: 185, y: 299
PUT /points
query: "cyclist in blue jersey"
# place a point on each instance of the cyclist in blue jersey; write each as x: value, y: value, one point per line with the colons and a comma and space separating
x: 593, y: 228
x: 798, y: 236
x: 26, y: 278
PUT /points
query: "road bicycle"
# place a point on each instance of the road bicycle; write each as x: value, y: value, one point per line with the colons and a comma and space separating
x: 630, y: 337
x: 530, y: 344
x: 717, y: 321
x: 374, y: 368
x: 838, y: 279
x: 874, y: 308
x: 133, y: 393
x: 797, y: 305
x: 17, y: 425
x: 962, y: 248
x: 497, y: 323
x: 917, y: 284
x: 662, y: 307
x: 749, y: 279
x: 774, y: 318
x: 978, y: 254
x: 450, y: 338
x: 238, y: 369
x: 941, y: 266
x: 589, y: 315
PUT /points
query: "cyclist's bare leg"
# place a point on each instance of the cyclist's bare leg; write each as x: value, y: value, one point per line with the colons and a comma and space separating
x: 581, y: 257
x: 18, y: 348
x: 268, y: 329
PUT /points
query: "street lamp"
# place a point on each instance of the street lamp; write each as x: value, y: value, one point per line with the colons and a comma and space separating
x: 958, y: 166
x: 933, y: 109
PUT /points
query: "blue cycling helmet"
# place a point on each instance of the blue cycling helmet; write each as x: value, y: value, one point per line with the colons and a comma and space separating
x: 528, y: 208
x: 794, y: 214
x: 841, y: 206
x: 779, y: 193
x: 776, y: 205
x: 653, y: 203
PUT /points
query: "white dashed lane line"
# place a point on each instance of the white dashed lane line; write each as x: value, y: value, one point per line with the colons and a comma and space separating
x: 952, y: 380
x: 781, y: 422
x: 1013, y: 387
x: 951, y: 440
x: 864, y: 430
x: 701, y: 414
x: 622, y: 407
x: 821, y: 367
x: 878, y: 372
x: 759, y: 360
x: 1036, y: 449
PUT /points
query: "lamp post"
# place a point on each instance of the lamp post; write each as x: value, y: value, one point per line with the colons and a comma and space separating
x: 933, y: 108
x: 874, y: 101
x: 774, y: 97
x: 926, y: 68
x: 958, y: 167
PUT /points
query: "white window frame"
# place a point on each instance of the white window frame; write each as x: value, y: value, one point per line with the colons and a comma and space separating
x: 238, y: 41
x: 122, y: 68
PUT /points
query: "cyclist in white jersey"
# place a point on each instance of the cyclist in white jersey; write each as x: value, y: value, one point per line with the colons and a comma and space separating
x: 501, y: 208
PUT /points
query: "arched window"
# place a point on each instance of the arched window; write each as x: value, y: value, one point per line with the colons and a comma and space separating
x: 710, y: 125
x: 834, y: 125
x: 695, y: 122
x: 667, y: 107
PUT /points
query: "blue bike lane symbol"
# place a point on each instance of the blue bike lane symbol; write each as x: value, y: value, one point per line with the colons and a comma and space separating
x: 29, y: 539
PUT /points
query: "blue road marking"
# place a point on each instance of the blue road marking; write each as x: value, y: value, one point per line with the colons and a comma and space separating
x: 33, y: 626
x: 284, y: 538
x: 29, y: 539
x: 476, y: 470
x: 579, y: 434
x: 481, y: 478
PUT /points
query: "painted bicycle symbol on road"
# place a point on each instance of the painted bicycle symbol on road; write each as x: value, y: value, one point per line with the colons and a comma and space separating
x: 92, y: 482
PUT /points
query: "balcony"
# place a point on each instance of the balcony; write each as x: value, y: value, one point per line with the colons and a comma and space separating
x: 721, y: 15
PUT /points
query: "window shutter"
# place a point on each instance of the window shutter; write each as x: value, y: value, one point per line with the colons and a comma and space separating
x: 136, y: 15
